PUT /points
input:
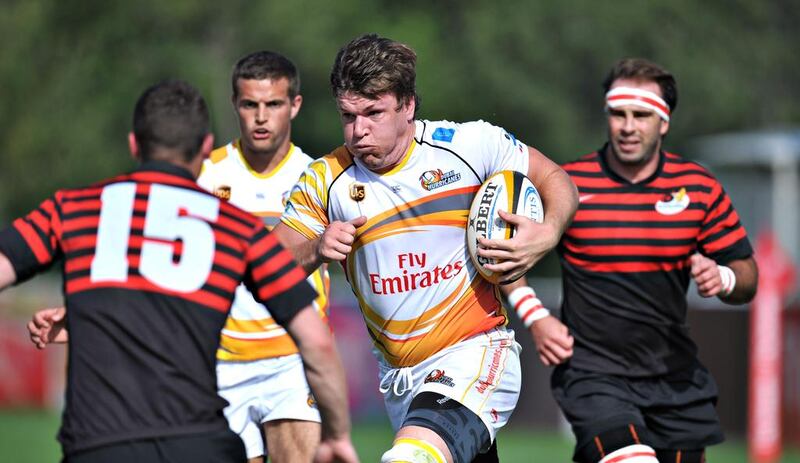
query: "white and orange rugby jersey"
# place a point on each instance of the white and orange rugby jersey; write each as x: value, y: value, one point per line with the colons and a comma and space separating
x: 409, y: 269
x: 250, y: 333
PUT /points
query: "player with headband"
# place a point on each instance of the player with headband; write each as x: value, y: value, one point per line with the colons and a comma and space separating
x: 648, y: 223
x: 621, y: 96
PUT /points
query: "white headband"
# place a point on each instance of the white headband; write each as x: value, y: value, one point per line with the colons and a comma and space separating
x: 621, y: 96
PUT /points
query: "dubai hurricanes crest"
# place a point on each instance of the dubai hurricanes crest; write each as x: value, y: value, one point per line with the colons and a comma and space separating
x: 432, y: 179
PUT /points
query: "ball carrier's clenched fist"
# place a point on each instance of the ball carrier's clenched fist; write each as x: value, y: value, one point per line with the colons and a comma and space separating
x: 337, y: 241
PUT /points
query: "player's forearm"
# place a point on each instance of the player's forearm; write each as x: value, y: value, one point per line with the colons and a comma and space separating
x: 307, y: 255
x: 305, y: 251
x: 510, y: 287
x: 8, y: 276
x: 560, y: 198
x: 325, y: 375
x: 746, y: 272
x: 324, y: 371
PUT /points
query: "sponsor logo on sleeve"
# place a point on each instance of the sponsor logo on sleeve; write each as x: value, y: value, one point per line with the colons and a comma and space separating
x: 673, y: 203
x: 443, y: 134
x: 510, y: 137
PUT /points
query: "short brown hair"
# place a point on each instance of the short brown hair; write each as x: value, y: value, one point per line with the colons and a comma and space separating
x: 263, y: 65
x: 642, y: 69
x: 371, y: 66
x: 173, y: 115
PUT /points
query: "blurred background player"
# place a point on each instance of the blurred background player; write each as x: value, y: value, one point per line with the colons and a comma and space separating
x: 391, y: 206
x: 151, y: 265
x: 648, y: 223
x: 259, y: 371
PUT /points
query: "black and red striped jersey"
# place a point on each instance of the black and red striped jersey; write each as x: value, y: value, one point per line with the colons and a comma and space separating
x: 625, y: 262
x: 151, y: 263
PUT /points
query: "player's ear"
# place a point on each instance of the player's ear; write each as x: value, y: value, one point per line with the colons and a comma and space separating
x: 664, y: 127
x: 235, y: 96
x: 297, y: 101
x: 133, y: 146
x: 409, y: 107
x: 207, y: 146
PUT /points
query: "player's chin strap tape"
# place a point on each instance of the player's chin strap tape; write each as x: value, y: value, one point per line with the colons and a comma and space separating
x: 728, y: 280
x: 527, y: 306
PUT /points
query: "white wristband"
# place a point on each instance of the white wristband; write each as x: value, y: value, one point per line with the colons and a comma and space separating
x: 527, y: 306
x: 728, y: 280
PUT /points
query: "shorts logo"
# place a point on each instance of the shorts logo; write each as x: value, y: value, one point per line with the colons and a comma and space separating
x: 498, y: 357
x: 357, y: 192
x: 673, y: 203
x: 442, y: 134
x: 223, y: 192
x: 438, y: 376
x: 433, y: 179
x: 311, y: 401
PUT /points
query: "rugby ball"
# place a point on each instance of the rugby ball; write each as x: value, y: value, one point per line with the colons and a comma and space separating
x: 508, y: 191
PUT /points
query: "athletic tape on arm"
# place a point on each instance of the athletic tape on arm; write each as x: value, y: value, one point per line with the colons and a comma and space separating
x: 528, y: 307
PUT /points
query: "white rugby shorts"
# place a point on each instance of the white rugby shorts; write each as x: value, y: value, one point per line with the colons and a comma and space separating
x: 264, y: 390
x: 482, y: 373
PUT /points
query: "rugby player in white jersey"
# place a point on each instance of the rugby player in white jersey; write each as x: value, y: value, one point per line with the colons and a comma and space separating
x: 391, y: 206
x: 259, y: 370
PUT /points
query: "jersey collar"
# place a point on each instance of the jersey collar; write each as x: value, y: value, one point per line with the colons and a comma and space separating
x: 240, y: 152
x: 601, y: 154
x: 165, y: 167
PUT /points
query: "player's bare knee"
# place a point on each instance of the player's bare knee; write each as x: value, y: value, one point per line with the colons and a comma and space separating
x: 461, y: 430
x: 410, y: 450
x: 291, y: 440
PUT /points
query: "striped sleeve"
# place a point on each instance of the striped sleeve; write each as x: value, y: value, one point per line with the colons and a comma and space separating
x: 722, y: 236
x: 32, y: 243
x: 306, y: 209
x: 275, y: 279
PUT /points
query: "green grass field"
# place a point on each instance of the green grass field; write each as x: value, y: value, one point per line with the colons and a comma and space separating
x: 29, y: 437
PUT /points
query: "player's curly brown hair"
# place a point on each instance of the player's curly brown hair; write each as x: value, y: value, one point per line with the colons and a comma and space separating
x: 371, y: 66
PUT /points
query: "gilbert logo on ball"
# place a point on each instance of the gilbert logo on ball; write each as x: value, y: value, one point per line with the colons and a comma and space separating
x: 507, y: 191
